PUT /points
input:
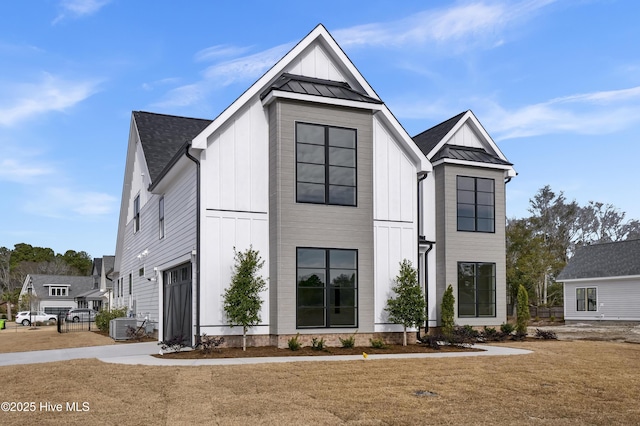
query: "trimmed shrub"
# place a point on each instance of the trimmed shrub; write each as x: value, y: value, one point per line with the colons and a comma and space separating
x: 104, y: 317
x: 317, y: 344
x: 349, y: 342
x: 523, y: 314
x: 378, y: 344
x: 294, y: 343
x: 447, y: 311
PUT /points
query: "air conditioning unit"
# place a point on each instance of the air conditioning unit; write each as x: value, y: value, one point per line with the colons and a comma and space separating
x: 118, y: 327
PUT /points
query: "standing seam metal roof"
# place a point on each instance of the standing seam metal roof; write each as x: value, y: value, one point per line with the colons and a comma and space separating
x: 318, y: 87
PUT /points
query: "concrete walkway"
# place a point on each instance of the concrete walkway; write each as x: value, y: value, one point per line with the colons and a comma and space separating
x: 140, y: 354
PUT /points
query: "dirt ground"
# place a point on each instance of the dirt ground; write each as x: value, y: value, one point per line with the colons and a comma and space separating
x: 583, y: 331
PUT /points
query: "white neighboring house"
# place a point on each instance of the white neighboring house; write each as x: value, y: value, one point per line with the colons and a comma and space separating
x: 55, y: 294
x: 602, y: 283
x: 309, y: 167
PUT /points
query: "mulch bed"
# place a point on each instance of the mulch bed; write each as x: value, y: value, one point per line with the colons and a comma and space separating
x: 272, y: 351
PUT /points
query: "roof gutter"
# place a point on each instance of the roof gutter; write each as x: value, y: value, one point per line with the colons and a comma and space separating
x: 195, y: 160
x: 422, y: 176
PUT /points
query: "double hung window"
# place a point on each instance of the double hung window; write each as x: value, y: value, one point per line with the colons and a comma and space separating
x: 587, y: 299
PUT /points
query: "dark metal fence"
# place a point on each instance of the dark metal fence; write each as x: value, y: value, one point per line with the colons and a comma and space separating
x: 65, y: 326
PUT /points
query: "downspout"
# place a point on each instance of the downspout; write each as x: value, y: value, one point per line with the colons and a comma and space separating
x: 195, y: 160
x: 421, y: 176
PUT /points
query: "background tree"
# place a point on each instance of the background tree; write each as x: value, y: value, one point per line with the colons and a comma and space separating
x: 523, y: 311
x: 447, y: 313
x: 242, y: 301
x: 408, y: 307
x: 539, y: 246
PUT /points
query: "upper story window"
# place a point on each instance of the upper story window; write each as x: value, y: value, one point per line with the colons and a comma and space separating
x: 161, y: 217
x: 476, y: 204
x: 57, y: 291
x: 136, y: 214
x: 587, y: 299
x: 325, y: 165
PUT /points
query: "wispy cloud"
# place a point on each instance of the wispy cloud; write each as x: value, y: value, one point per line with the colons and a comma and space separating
x: 51, y: 93
x: 224, y: 74
x: 79, y: 8
x: 220, y: 51
x: 594, y: 113
x: 14, y: 170
x: 63, y: 202
x: 469, y: 22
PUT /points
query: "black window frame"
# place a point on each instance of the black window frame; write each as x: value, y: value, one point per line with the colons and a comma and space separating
x: 327, y: 165
x: 476, y: 304
x: 130, y: 284
x: 477, y: 205
x: 586, y: 299
x: 327, y: 288
x: 136, y: 214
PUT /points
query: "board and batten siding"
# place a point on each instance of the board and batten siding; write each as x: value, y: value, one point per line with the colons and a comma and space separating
x: 455, y: 246
x: 295, y: 224
x: 175, y: 248
x: 315, y: 62
x: 618, y: 299
x: 395, y: 216
x: 235, y: 211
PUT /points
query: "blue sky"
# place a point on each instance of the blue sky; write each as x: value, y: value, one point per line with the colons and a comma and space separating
x: 555, y: 83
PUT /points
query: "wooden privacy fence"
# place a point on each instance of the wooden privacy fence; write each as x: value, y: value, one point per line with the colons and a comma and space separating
x: 538, y: 311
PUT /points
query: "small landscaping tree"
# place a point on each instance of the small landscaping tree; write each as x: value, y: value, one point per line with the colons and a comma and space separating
x: 446, y: 311
x: 523, y: 314
x: 242, y: 300
x: 408, y: 307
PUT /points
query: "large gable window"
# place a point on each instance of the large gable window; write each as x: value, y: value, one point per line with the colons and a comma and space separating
x: 476, y: 289
x: 587, y: 299
x: 476, y: 204
x: 327, y: 284
x: 325, y: 165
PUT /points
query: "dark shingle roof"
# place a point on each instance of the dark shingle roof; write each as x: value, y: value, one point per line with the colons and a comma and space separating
x: 617, y: 259
x: 163, y: 135
x: 109, y: 263
x: 318, y: 87
x: 468, y: 154
x: 77, y: 285
x: 428, y: 139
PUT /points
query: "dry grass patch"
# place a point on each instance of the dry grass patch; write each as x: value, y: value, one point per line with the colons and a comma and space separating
x: 24, y: 339
x: 564, y: 383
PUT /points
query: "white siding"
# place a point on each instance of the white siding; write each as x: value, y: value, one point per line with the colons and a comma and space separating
x: 139, y: 181
x: 393, y: 242
x: 617, y: 300
x: 222, y: 233
x: 314, y: 62
x: 235, y: 166
x: 394, y: 177
x: 180, y: 239
x: 465, y: 136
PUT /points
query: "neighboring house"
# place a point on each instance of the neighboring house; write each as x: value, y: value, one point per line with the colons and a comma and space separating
x: 602, y: 283
x: 100, y: 296
x: 55, y: 294
x: 309, y: 167
x: 469, y: 180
